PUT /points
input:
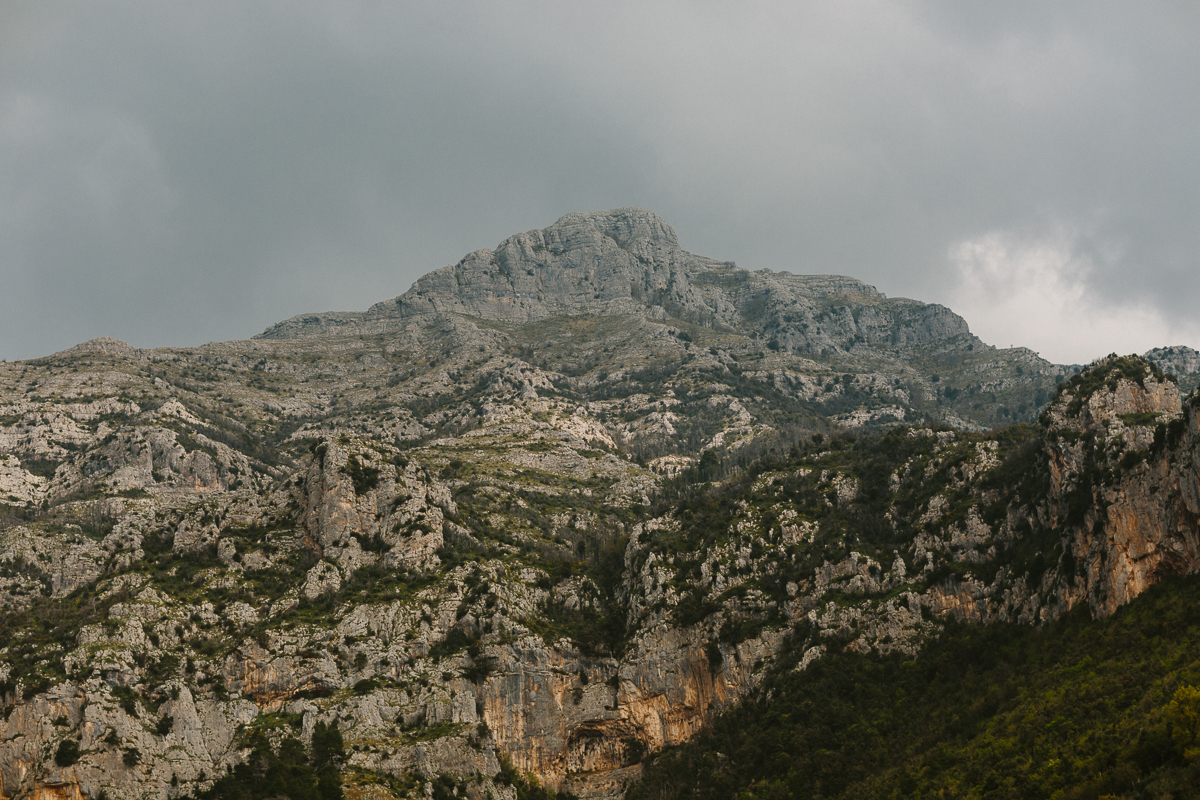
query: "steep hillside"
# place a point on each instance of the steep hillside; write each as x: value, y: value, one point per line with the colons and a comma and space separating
x: 482, y: 531
x: 834, y: 344
x: 1077, y: 708
x: 1183, y: 362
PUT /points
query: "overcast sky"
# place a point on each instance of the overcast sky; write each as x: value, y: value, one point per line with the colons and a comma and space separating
x: 177, y: 173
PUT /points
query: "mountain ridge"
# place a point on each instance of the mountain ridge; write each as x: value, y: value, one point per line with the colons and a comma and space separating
x: 488, y: 545
x: 613, y: 262
x: 628, y: 262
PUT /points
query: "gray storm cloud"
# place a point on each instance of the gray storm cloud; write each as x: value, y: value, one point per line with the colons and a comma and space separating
x: 175, y: 173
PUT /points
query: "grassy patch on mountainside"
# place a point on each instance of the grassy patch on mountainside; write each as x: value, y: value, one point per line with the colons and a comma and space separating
x: 1080, y: 708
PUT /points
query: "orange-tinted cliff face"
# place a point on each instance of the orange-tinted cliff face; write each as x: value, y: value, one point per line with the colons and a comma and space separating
x: 1123, y: 452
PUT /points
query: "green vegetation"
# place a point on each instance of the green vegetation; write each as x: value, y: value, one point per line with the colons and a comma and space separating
x: 1079, y: 708
x: 897, y: 474
x: 67, y: 753
x: 1140, y: 418
x: 37, y: 635
x: 593, y: 553
x: 291, y: 770
x: 364, y: 476
x: 597, y: 624
x: 527, y: 785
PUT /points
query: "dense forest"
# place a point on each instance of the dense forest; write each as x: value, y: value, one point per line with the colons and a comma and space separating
x: 1080, y: 708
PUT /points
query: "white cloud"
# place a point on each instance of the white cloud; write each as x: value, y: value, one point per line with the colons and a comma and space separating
x: 1038, y: 294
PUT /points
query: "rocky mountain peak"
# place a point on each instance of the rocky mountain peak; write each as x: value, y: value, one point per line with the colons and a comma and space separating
x: 633, y: 229
x: 1112, y: 390
x: 628, y: 262
x: 604, y: 263
x: 104, y: 344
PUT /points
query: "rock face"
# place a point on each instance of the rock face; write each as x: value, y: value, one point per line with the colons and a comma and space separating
x: 629, y: 261
x: 350, y: 503
x: 1123, y: 474
x: 1182, y: 362
x: 551, y: 509
x: 922, y: 360
x: 1178, y: 360
x: 311, y: 325
x: 583, y: 264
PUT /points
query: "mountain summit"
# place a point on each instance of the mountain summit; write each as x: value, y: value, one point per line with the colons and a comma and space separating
x: 628, y: 261
x: 627, y: 264
x: 554, y: 511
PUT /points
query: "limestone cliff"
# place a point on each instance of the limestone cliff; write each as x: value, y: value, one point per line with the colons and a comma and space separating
x: 1123, y: 476
x: 555, y: 507
x: 628, y: 262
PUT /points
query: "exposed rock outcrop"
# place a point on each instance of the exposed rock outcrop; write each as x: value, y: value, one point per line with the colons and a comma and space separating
x: 1123, y: 460
x: 556, y: 506
x: 628, y: 261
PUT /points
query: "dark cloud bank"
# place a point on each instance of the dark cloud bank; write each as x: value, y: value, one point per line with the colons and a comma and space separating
x: 175, y: 173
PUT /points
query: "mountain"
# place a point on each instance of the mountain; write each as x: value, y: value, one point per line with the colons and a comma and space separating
x: 1183, y: 362
x: 833, y: 343
x: 545, y: 515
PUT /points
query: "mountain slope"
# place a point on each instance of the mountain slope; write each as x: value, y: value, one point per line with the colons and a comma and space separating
x: 486, y: 534
x: 908, y: 360
x: 1078, y: 708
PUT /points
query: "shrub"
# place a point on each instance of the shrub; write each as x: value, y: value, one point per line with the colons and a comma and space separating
x: 67, y: 753
x: 128, y: 699
x: 364, y: 477
x: 1183, y: 714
